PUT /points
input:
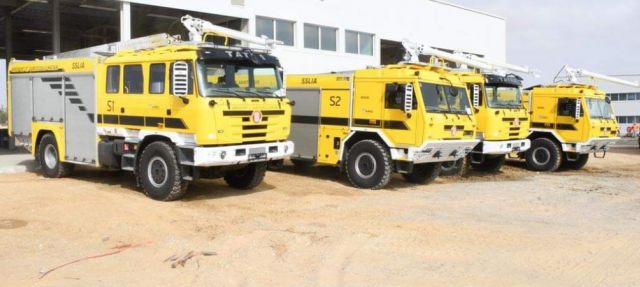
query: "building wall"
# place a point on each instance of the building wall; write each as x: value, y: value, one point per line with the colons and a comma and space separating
x: 430, y: 22
x: 630, y: 109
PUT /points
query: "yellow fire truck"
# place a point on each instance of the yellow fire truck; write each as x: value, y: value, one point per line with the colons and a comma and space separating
x: 503, y: 123
x: 568, y: 121
x: 170, y: 111
x: 406, y: 118
x: 496, y: 99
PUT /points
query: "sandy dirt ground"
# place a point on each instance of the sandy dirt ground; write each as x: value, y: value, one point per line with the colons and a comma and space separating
x: 517, y: 228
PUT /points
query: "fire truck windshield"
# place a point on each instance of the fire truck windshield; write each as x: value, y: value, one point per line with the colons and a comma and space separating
x: 218, y: 79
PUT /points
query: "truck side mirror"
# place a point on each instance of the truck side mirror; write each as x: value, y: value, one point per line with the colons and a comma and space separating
x: 408, y: 98
x: 476, y: 96
x: 578, y: 111
x: 180, y: 79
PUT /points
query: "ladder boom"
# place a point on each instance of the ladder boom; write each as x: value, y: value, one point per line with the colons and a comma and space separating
x: 574, y: 73
x: 415, y: 50
x: 198, y: 27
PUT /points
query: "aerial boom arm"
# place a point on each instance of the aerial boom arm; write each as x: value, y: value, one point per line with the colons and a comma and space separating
x: 415, y: 50
x: 575, y: 73
x: 198, y: 27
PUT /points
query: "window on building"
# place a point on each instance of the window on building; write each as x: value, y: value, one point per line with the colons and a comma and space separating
x: 359, y: 43
x: 614, y: 97
x: 631, y: 97
x: 280, y: 30
x: 622, y: 120
x: 133, y: 80
x: 351, y: 42
x: 156, y: 78
x: 637, y: 119
x: 113, y: 79
x: 622, y: 97
x: 318, y: 37
x: 328, y: 39
x: 311, y: 36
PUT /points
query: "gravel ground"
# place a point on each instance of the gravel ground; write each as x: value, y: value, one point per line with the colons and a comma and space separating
x: 516, y: 228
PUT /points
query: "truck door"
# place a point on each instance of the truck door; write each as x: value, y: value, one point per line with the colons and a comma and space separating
x: 567, y: 126
x: 398, y: 126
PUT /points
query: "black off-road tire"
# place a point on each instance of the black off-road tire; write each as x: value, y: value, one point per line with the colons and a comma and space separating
x: 55, y: 168
x: 577, y: 164
x: 491, y: 164
x: 544, y: 155
x: 369, y: 165
x: 459, y: 167
x: 301, y: 164
x: 423, y: 173
x: 160, y: 174
x: 247, y: 177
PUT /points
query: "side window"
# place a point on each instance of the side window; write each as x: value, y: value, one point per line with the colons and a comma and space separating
x: 133, y: 79
x: 156, y: 78
x: 190, y: 84
x: 567, y: 108
x: 113, y: 79
x: 394, y: 97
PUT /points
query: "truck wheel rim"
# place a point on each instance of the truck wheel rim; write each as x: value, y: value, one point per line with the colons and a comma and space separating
x: 50, y: 156
x: 366, y: 165
x: 541, y: 156
x: 157, y: 171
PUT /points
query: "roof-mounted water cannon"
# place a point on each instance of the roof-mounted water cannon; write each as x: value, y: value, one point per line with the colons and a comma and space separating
x: 198, y: 28
x: 413, y: 51
x: 574, y: 73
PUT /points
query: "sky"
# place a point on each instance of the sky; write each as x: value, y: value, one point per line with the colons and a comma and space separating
x: 599, y: 36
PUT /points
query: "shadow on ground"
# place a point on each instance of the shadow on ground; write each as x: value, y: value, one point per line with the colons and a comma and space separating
x: 200, y: 190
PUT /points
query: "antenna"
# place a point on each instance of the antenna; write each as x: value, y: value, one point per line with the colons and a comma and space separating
x: 574, y: 73
x: 198, y: 27
x: 414, y: 50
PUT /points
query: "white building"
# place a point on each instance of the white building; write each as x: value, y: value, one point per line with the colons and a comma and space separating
x: 625, y: 101
x: 335, y: 35
x: 319, y: 35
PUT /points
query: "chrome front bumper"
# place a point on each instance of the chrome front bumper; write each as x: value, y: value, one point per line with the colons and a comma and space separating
x: 435, y: 151
x: 239, y: 154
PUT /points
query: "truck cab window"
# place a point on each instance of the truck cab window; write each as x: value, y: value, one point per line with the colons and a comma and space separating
x: 113, y: 79
x: 133, y: 79
x: 567, y: 108
x: 394, y: 97
x: 157, y: 78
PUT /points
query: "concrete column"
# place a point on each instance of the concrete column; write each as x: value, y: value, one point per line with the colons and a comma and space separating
x: 125, y: 21
x: 8, y: 34
x: 56, y: 25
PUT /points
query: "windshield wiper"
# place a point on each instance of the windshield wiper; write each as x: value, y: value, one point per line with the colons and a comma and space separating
x: 226, y: 91
x: 258, y: 95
